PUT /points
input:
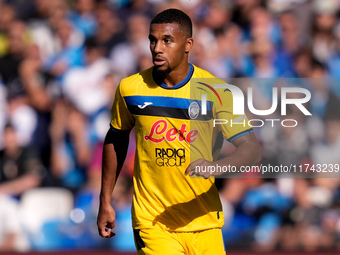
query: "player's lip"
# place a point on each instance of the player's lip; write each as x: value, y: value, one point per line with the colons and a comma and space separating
x: 159, y: 61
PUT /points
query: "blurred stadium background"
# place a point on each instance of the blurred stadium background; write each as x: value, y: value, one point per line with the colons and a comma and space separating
x: 60, y: 62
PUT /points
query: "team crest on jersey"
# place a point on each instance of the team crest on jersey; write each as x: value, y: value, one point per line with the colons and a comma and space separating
x: 194, y: 110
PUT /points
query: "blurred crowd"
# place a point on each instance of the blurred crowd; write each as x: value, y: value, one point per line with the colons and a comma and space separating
x: 60, y: 63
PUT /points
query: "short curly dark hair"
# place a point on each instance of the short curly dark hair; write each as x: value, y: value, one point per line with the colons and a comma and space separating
x: 174, y: 16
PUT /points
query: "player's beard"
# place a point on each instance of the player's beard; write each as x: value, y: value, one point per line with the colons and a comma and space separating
x: 165, y: 72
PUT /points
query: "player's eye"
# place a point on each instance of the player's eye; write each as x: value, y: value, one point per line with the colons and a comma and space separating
x: 167, y: 40
x: 152, y: 39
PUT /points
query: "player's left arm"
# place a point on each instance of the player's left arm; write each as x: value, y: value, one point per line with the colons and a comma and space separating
x: 247, y: 153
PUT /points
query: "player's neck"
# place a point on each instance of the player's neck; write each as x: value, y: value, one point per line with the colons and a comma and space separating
x: 175, y: 76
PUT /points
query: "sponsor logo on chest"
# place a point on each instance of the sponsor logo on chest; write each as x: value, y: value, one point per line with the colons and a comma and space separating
x: 159, y: 132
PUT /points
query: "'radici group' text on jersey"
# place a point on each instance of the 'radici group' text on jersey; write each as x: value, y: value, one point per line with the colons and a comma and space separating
x: 170, y: 132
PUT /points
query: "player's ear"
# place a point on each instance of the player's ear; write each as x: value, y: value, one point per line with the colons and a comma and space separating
x: 189, y: 44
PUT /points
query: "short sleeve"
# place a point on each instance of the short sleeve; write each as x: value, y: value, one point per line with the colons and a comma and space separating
x: 121, y: 118
x: 232, y: 126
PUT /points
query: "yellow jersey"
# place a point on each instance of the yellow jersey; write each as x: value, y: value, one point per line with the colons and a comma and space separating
x: 171, y: 133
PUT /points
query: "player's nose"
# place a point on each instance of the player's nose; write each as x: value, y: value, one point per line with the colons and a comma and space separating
x: 158, y: 48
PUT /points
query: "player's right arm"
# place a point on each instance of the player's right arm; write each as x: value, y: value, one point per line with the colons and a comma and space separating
x: 114, y: 153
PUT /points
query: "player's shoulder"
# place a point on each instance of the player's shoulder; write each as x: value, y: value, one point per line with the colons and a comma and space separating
x: 201, y: 73
x: 136, y: 80
x: 206, y: 77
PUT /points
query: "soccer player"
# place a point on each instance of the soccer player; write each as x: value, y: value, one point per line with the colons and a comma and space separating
x: 172, y: 212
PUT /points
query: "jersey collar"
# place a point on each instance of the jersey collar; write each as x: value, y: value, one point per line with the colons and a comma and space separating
x: 178, y: 85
